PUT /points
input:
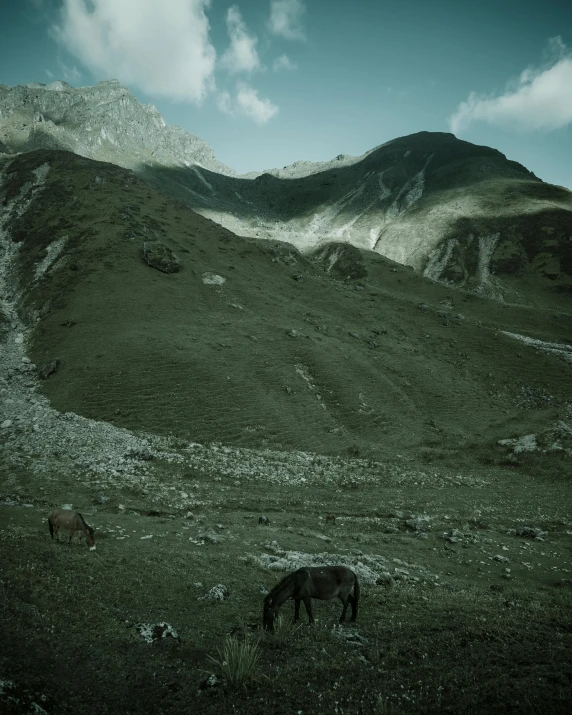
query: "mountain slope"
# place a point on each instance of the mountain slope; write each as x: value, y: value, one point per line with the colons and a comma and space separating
x: 458, y: 213
x: 251, y: 342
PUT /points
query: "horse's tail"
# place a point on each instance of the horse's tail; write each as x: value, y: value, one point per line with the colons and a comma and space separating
x: 356, y: 593
x: 51, y: 527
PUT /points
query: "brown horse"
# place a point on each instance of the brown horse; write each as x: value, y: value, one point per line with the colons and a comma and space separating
x: 322, y: 582
x: 74, y: 522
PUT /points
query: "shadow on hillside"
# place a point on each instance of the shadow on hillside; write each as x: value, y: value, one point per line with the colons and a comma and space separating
x: 382, y: 176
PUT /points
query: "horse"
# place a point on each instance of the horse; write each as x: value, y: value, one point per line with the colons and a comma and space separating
x: 74, y: 522
x: 321, y: 582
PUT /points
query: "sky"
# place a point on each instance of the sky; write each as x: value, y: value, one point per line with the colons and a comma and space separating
x: 268, y: 82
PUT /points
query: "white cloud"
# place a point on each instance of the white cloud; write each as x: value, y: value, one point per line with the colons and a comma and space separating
x: 250, y: 104
x: 241, y: 56
x: 224, y: 103
x: 162, y: 48
x: 286, y: 18
x: 284, y: 63
x: 540, y: 99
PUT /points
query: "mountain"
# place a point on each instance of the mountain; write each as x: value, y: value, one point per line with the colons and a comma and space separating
x: 458, y: 213
x: 103, y: 122
x: 251, y: 342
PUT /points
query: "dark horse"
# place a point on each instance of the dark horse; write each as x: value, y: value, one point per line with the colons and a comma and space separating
x: 322, y: 582
x: 74, y: 522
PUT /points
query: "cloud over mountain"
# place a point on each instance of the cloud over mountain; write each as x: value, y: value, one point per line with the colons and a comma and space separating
x: 251, y: 105
x: 241, y: 56
x: 167, y: 54
x: 541, y: 98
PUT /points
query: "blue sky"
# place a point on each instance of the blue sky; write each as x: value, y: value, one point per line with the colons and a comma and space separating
x: 268, y: 82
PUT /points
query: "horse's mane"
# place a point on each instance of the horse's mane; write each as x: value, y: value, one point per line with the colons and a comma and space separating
x: 286, y: 581
x: 83, y: 521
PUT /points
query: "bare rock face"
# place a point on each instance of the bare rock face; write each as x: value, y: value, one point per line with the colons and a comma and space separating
x: 157, y: 255
x: 103, y: 122
x: 342, y: 260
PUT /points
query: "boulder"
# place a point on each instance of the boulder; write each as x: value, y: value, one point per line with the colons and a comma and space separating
x: 158, y: 256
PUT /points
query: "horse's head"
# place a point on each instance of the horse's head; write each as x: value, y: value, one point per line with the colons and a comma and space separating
x: 269, y: 613
x: 90, y: 539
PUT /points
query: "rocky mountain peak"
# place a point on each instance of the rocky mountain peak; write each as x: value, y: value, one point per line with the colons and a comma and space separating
x: 103, y: 122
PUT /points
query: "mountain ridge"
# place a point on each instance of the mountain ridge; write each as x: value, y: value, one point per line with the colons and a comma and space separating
x: 458, y: 213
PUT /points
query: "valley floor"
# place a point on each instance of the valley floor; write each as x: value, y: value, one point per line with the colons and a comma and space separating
x: 466, y: 587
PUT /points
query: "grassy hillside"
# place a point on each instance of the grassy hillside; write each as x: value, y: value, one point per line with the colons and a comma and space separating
x: 333, y: 384
x: 287, y: 352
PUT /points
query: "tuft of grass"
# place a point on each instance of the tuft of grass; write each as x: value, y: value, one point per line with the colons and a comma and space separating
x: 237, y: 660
x: 284, y: 631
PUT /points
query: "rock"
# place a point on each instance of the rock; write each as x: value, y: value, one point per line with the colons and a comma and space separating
x: 292, y: 333
x: 14, y: 698
x: 6, y: 424
x: 217, y: 593
x: 154, y: 632
x: 213, y: 685
x: 530, y: 532
x: 453, y: 536
x: 419, y: 523
x: 143, y: 453
x: 158, y: 256
x: 264, y: 520
x: 48, y: 369
x: 213, y: 279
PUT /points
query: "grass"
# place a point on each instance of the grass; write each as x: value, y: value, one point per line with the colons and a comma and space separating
x: 404, y: 429
x: 237, y: 661
x: 452, y: 634
x: 369, y: 373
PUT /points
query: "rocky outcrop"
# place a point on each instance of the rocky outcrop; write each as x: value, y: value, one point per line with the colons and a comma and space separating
x: 101, y: 122
x: 159, y: 256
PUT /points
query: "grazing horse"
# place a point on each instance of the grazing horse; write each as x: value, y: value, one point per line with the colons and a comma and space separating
x: 322, y: 582
x: 74, y: 522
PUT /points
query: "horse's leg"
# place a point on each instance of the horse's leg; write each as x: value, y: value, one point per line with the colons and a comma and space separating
x: 296, y: 609
x: 308, y: 604
x: 345, y: 604
x: 354, y: 607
